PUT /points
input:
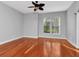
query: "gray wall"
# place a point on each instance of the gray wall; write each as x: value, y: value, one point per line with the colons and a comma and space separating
x: 31, y: 25
x: 11, y: 23
x: 49, y: 16
x: 71, y: 22
x: 33, y: 28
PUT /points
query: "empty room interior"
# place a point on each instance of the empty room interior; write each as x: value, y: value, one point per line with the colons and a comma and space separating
x: 39, y: 28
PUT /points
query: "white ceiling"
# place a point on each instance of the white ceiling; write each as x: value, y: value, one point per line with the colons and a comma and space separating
x: 50, y: 6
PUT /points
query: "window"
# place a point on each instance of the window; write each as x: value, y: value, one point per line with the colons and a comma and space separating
x: 52, y: 26
x: 46, y: 26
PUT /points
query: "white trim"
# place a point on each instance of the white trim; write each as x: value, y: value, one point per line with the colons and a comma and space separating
x: 63, y: 38
x: 72, y: 43
x: 44, y: 37
x: 10, y: 40
x: 40, y: 36
x: 77, y: 29
x: 59, y: 25
x: 30, y: 36
x: 17, y: 38
x: 53, y: 37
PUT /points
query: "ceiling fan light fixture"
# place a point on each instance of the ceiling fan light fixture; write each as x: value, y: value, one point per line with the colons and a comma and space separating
x: 37, y: 6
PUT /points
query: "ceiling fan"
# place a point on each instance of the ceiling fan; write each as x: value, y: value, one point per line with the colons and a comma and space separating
x: 37, y: 6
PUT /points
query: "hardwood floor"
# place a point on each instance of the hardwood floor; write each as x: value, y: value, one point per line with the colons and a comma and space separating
x: 41, y: 47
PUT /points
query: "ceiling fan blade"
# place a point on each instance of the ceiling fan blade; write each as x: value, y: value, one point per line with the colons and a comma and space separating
x: 41, y: 4
x: 36, y: 1
x: 31, y: 7
x: 41, y: 9
x: 33, y: 3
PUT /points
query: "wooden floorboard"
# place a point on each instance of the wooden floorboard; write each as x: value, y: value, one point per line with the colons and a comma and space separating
x: 40, y: 47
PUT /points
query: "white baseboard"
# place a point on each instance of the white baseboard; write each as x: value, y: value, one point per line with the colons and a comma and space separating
x: 63, y: 38
x: 17, y: 38
x: 10, y: 40
x: 31, y: 36
x: 44, y: 37
x: 37, y: 37
x: 28, y: 37
x: 53, y: 37
x: 72, y: 43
